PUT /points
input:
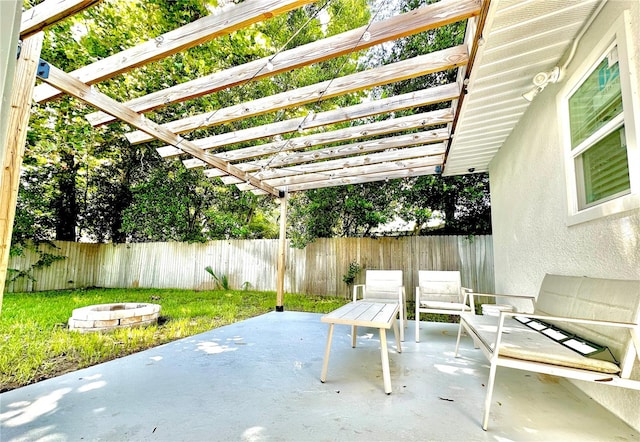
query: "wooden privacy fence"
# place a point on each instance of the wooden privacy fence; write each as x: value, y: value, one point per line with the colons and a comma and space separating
x: 317, y: 269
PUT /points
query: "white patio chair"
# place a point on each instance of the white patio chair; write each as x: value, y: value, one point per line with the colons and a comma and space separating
x: 441, y: 292
x: 384, y: 286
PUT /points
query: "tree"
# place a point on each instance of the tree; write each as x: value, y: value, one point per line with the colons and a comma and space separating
x: 178, y: 204
x: 346, y: 211
x: 462, y: 200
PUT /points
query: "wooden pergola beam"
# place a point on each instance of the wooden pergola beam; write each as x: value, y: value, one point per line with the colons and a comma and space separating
x: 428, y: 139
x: 49, y: 13
x: 291, y: 158
x: 348, y: 166
x: 12, y: 153
x: 343, y: 151
x: 185, y: 37
x: 419, y: 20
x: 418, y: 121
x: 285, y: 147
x: 74, y: 87
x: 397, y: 103
x: 359, y: 171
x: 282, y: 253
x: 380, y: 176
x: 421, y: 65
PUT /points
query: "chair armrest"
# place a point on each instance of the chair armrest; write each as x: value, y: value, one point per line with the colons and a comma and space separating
x: 530, y: 298
x: 355, y: 291
x: 501, y: 295
x: 468, y: 293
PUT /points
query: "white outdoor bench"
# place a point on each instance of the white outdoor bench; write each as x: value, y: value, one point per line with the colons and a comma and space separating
x: 380, y: 315
x: 570, y: 312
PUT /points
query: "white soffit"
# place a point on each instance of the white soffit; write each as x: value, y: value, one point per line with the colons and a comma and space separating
x: 521, y: 38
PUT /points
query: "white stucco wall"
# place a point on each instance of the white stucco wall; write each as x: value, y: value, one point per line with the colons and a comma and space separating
x: 529, y: 209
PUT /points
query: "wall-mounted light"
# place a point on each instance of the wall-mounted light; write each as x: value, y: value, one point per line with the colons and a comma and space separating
x: 529, y: 96
x: 541, y: 80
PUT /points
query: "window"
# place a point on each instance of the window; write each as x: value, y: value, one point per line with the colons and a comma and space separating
x: 598, y: 141
x: 603, y: 175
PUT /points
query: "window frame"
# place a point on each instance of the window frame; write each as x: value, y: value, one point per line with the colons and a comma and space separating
x: 618, y: 35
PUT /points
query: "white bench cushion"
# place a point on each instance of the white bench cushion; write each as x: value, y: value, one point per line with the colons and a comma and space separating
x: 522, y: 342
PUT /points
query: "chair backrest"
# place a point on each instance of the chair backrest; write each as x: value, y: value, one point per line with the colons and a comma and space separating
x: 438, y: 285
x: 382, y: 284
x: 614, y: 300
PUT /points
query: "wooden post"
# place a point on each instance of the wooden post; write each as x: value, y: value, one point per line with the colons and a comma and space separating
x: 282, y: 254
x: 21, y: 96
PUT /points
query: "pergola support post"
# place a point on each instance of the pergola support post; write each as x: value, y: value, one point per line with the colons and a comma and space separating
x: 282, y: 253
x: 16, y: 136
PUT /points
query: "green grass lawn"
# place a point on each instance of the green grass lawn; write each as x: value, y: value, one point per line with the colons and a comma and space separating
x: 35, y: 343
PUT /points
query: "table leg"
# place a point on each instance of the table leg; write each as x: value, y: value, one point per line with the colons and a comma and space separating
x: 395, y: 333
x: 354, y: 335
x: 386, y: 375
x: 325, y: 364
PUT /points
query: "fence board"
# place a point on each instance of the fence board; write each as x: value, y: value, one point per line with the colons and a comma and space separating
x: 318, y: 269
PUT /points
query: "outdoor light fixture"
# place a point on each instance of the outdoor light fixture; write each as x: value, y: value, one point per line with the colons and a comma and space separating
x: 541, y: 80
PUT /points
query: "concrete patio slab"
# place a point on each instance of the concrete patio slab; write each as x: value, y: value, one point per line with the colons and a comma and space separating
x: 259, y: 379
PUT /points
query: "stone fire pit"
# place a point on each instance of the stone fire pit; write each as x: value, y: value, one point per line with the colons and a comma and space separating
x: 103, y: 317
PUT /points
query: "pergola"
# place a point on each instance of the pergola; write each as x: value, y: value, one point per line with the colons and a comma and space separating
x: 507, y: 42
x: 277, y: 166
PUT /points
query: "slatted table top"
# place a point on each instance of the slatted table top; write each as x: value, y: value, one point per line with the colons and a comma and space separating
x: 365, y: 314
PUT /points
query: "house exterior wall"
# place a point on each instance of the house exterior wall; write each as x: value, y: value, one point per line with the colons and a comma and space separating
x: 529, y: 208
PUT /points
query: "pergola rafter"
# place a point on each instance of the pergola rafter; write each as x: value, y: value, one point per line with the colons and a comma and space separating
x: 49, y: 13
x: 400, y: 172
x: 403, y: 70
x: 286, y: 153
x: 290, y: 157
x: 346, y: 150
x: 403, y: 25
x: 188, y: 36
x: 389, y: 105
x: 84, y: 92
x: 417, y: 121
x: 353, y: 166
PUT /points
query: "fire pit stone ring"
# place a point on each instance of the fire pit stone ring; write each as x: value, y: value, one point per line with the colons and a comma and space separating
x: 102, y: 317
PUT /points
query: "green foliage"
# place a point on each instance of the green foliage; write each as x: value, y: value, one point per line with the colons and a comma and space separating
x: 463, y: 201
x: 345, y: 211
x: 36, y: 344
x: 352, y: 273
x: 45, y: 258
x: 222, y: 281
